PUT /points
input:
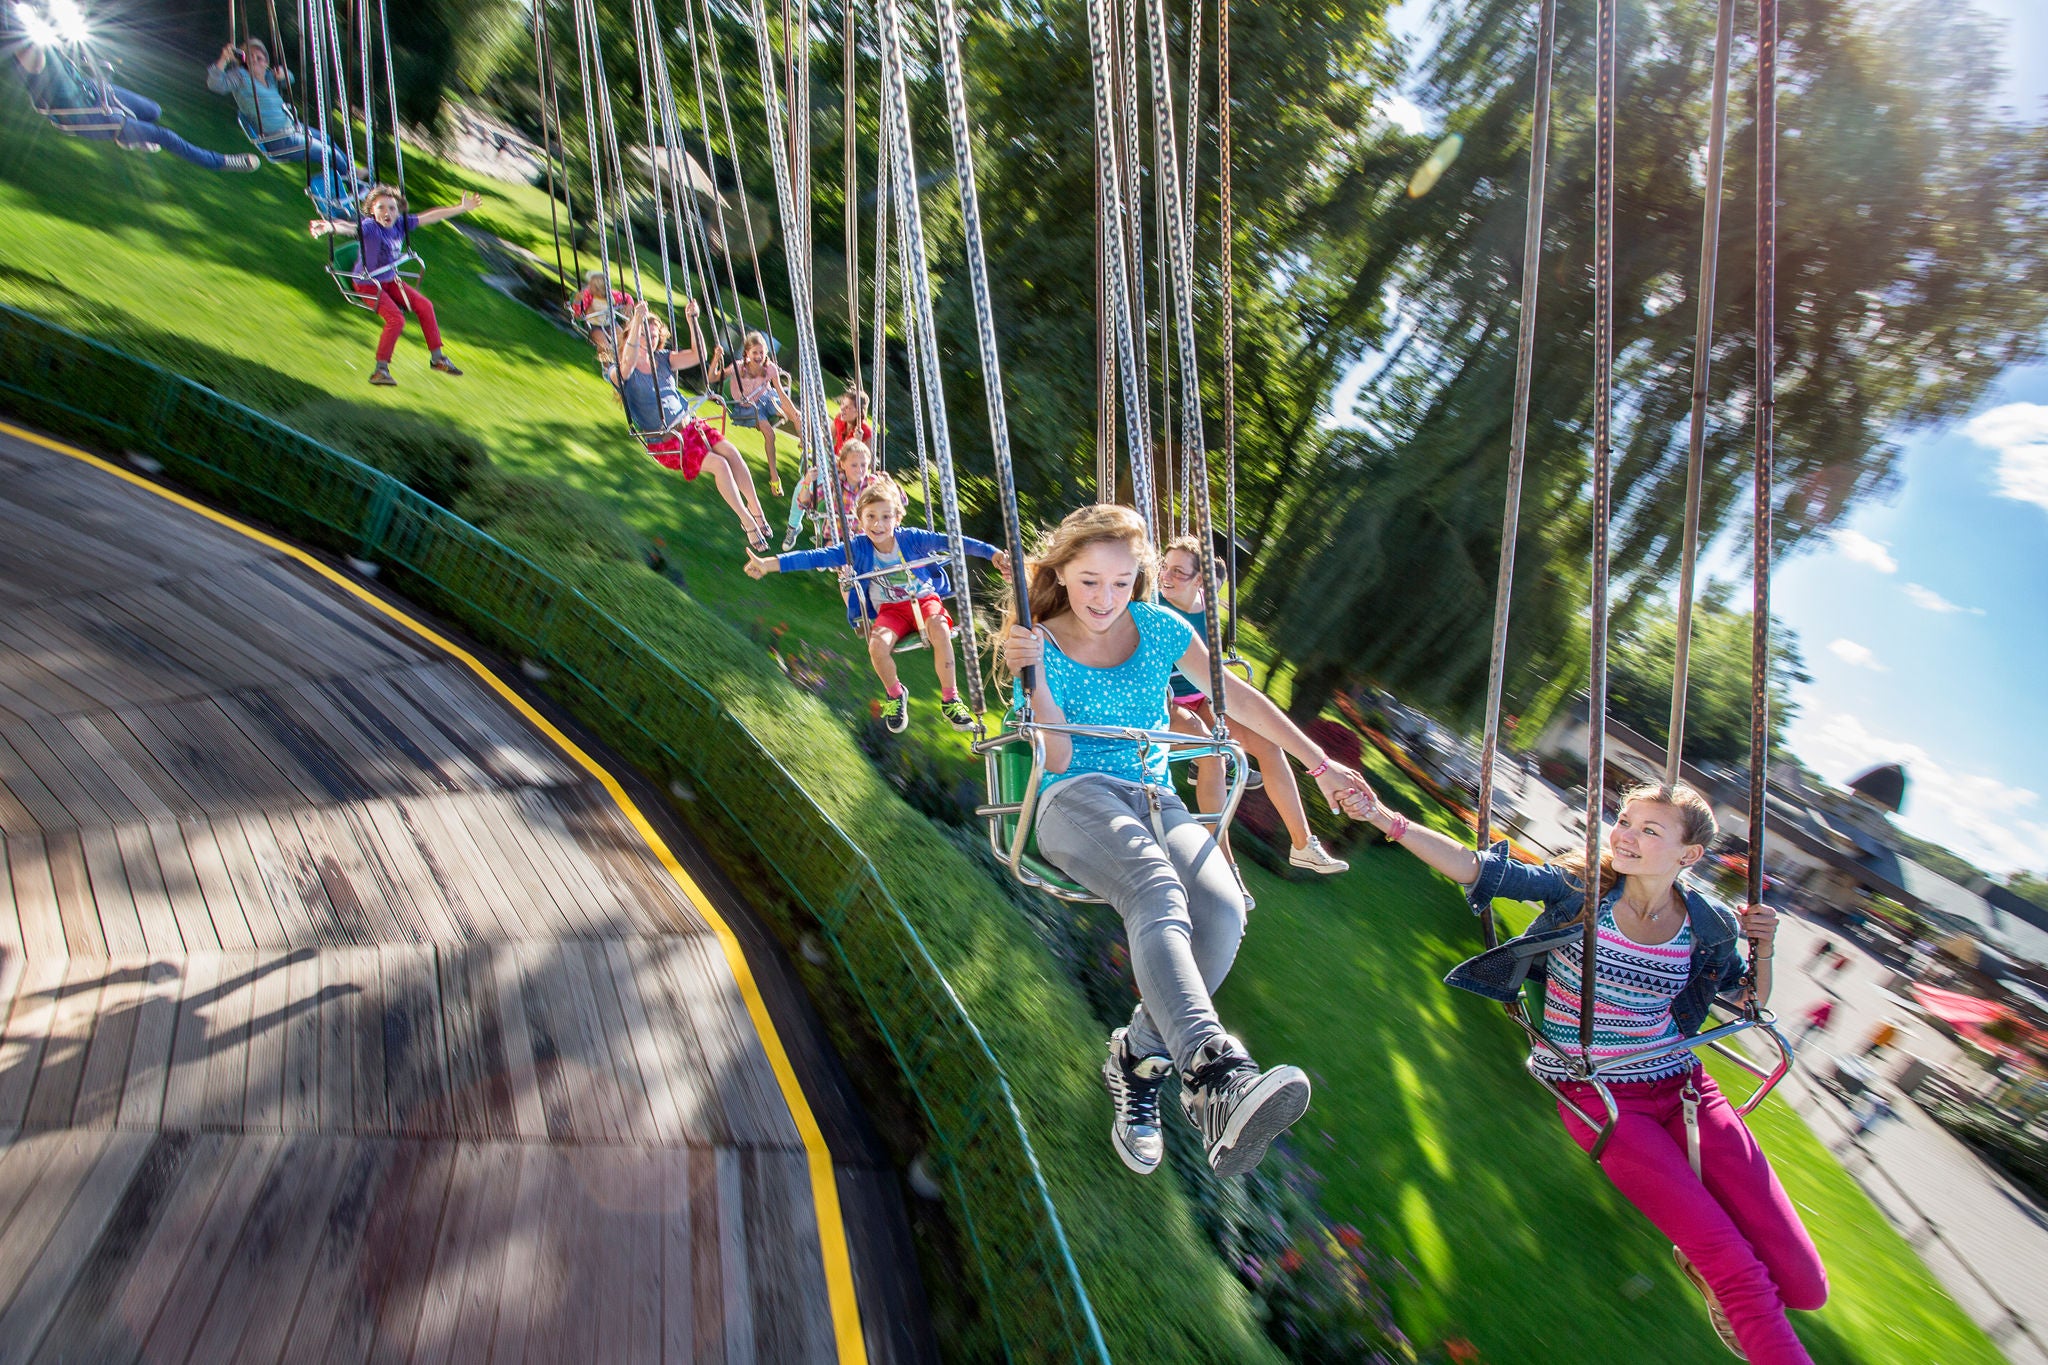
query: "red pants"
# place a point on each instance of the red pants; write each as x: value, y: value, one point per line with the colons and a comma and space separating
x: 1733, y: 1220
x: 392, y: 298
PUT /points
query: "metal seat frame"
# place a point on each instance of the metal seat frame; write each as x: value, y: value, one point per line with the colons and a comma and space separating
x: 909, y: 643
x: 1015, y: 848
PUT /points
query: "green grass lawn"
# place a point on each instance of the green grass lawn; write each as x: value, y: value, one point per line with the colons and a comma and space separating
x: 1424, y: 1126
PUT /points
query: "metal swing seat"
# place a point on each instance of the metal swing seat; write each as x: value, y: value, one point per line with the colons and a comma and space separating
x: 910, y: 643
x: 341, y: 268
x: 1736, y: 1019
x: 1016, y: 780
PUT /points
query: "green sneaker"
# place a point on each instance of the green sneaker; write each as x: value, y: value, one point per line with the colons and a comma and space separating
x: 956, y: 713
x: 896, y: 713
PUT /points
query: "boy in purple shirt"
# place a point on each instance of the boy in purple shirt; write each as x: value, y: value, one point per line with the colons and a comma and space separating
x: 382, y: 231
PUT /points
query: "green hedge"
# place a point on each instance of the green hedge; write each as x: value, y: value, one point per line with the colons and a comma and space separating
x: 930, y: 969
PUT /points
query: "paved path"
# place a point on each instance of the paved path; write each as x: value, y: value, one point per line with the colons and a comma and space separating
x: 345, y: 1013
x: 1986, y: 1226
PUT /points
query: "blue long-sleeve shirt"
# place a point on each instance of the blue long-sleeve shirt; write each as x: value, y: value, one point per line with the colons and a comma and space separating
x: 259, y: 104
x: 911, y: 543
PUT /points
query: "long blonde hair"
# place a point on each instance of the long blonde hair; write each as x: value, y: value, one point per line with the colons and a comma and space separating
x: 1696, y: 825
x: 1102, y: 523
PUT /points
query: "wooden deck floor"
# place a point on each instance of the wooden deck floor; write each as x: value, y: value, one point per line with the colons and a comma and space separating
x: 345, y: 1018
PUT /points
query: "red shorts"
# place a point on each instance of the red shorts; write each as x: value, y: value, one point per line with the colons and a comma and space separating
x: 898, y: 619
x: 683, y: 449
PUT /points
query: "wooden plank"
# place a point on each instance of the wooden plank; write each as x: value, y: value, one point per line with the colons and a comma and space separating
x: 734, y: 1272
x: 747, y: 1091
x: 27, y: 1032
x: 557, y: 1313
x: 211, y: 751
x: 181, y: 888
x: 38, y: 1217
x: 98, y: 657
x: 523, y: 757
x: 383, y: 896
x: 640, y: 1122
x: 270, y: 1018
x: 14, y: 816
x: 453, y: 769
x: 196, y: 652
x: 28, y: 669
x: 105, y: 1076
x: 120, y: 924
x: 557, y: 1065
x: 228, y: 1042
x: 496, y: 819
x: 11, y: 950
x: 35, y: 897
x: 290, y: 880
x: 149, y: 1060
x: 216, y: 884
x: 73, y: 886
x: 678, y: 1277
x: 388, y: 843
x: 538, y: 1166
x: 245, y: 713
x: 257, y: 1279
x: 792, y: 1314
x: 600, y: 1097
x: 96, y: 747
x: 43, y: 1288
x: 415, y: 1053
x: 63, y: 1063
x: 708, y: 1297
x: 638, y: 1033
x: 583, y: 886
x: 207, y: 1259
x: 88, y: 797
x: 529, y: 1115
x: 185, y: 1089
x: 359, y: 915
x: 478, y: 863
x: 673, y: 1034
x: 158, y: 737
x: 479, y: 1086
x: 22, y: 1159
x: 384, y: 769
x: 300, y: 1110
x: 367, y: 1038
x: 627, y: 1265
x: 259, y: 906
x: 382, y: 1308
x: 473, y: 894
x: 160, y: 929
x: 338, y: 991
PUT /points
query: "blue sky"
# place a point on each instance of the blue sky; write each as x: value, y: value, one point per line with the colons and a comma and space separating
x: 1924, y: 620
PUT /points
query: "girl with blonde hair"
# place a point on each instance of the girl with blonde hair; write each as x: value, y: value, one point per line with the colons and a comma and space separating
x: 1099, y: 654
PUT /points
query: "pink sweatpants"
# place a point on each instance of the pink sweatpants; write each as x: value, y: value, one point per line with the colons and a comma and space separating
x: 1732, y: 1221
x: 393, y: 298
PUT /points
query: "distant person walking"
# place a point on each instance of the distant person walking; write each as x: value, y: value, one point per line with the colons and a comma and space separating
x: 1817, y: 956
x: 1816, y: 1020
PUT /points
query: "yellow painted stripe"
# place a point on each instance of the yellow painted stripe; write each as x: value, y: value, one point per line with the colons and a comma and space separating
x: 838, y: 1263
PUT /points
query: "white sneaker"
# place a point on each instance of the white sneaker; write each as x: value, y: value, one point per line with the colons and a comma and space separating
x: 1133, y: 1084
x: 1314, y: 857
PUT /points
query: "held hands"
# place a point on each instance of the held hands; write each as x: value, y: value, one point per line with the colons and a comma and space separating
x: 1760, y: 927
x: 1347, y: 791
x: 1002, y: 562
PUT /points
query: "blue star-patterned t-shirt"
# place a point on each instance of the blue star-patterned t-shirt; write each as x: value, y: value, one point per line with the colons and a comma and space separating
x: 1133, y: 693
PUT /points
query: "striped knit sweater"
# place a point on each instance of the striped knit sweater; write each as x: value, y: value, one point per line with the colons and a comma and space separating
x: 1633, y: 988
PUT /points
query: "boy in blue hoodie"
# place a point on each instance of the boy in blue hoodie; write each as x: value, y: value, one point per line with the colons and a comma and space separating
x: 899, y: 587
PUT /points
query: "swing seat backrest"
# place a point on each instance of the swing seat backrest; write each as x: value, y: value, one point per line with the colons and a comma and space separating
x: 1010, y: 780
x: 342, y: 269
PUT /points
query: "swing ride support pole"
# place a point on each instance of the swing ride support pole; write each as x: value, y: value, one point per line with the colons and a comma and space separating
x: 896, y: 96
x: 1226, y: 285
x: 1603, y: 419
x: 1766, y: 415
x: 1179, y: 236
x: 815, y: 423
x: 1128, y: 347
x: 1702, y: 367
x: 1518, y: 438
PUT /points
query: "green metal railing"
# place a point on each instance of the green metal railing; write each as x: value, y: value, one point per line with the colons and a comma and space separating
x: 667, y: 724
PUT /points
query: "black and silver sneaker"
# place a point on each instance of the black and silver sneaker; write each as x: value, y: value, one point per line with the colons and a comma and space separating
x: 1133, y: 1084
x: 1237, y: 1108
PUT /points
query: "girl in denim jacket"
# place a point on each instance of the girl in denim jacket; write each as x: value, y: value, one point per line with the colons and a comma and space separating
x: 1664, y: 953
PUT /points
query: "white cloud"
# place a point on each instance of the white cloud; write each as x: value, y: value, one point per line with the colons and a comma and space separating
x: 1927, y: 599
x: 1849, y: 652
x: 1856, y: 546
x: 1403, y: 113
x: 1980, y: 817
x: 2019, y: 433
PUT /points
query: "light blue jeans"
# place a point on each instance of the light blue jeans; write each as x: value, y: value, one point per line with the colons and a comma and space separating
x: 1182, y: 908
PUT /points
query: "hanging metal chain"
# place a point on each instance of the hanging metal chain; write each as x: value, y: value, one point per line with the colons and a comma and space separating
x: 912, y: 352
x: 654, y: 159
x: 1133, y: 191
x: 816, y: 422
x: 897, y: 99
x: 885, y: 169
x: 1226, y: 230
x: 1518, y: 439
x: 1766, y: 436
x: 1603, y: 419
x: 1181, y: 271
x: 739, y: 312
x: 1128, y: 347
x: 732, y: 147
x: 1702, y: 368
x: 852, y: 209
x: 542, y: 68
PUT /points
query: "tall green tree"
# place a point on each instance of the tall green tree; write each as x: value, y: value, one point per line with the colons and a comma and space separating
x: 1911, y: 271
x: 1717, y: 695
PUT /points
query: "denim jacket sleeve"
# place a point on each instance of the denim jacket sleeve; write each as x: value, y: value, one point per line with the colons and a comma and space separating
x: 1501, y: 877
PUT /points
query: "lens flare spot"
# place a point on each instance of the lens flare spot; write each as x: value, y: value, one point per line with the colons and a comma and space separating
x: 1429, y: 172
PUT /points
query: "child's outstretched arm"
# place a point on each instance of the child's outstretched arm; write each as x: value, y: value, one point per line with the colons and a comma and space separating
x: 446, y: 211
x: 757, y: 567
x: 340, y: 227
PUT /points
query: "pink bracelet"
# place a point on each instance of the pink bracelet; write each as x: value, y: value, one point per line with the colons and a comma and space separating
x: 1397, y: 829
x: 1320, y: 768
